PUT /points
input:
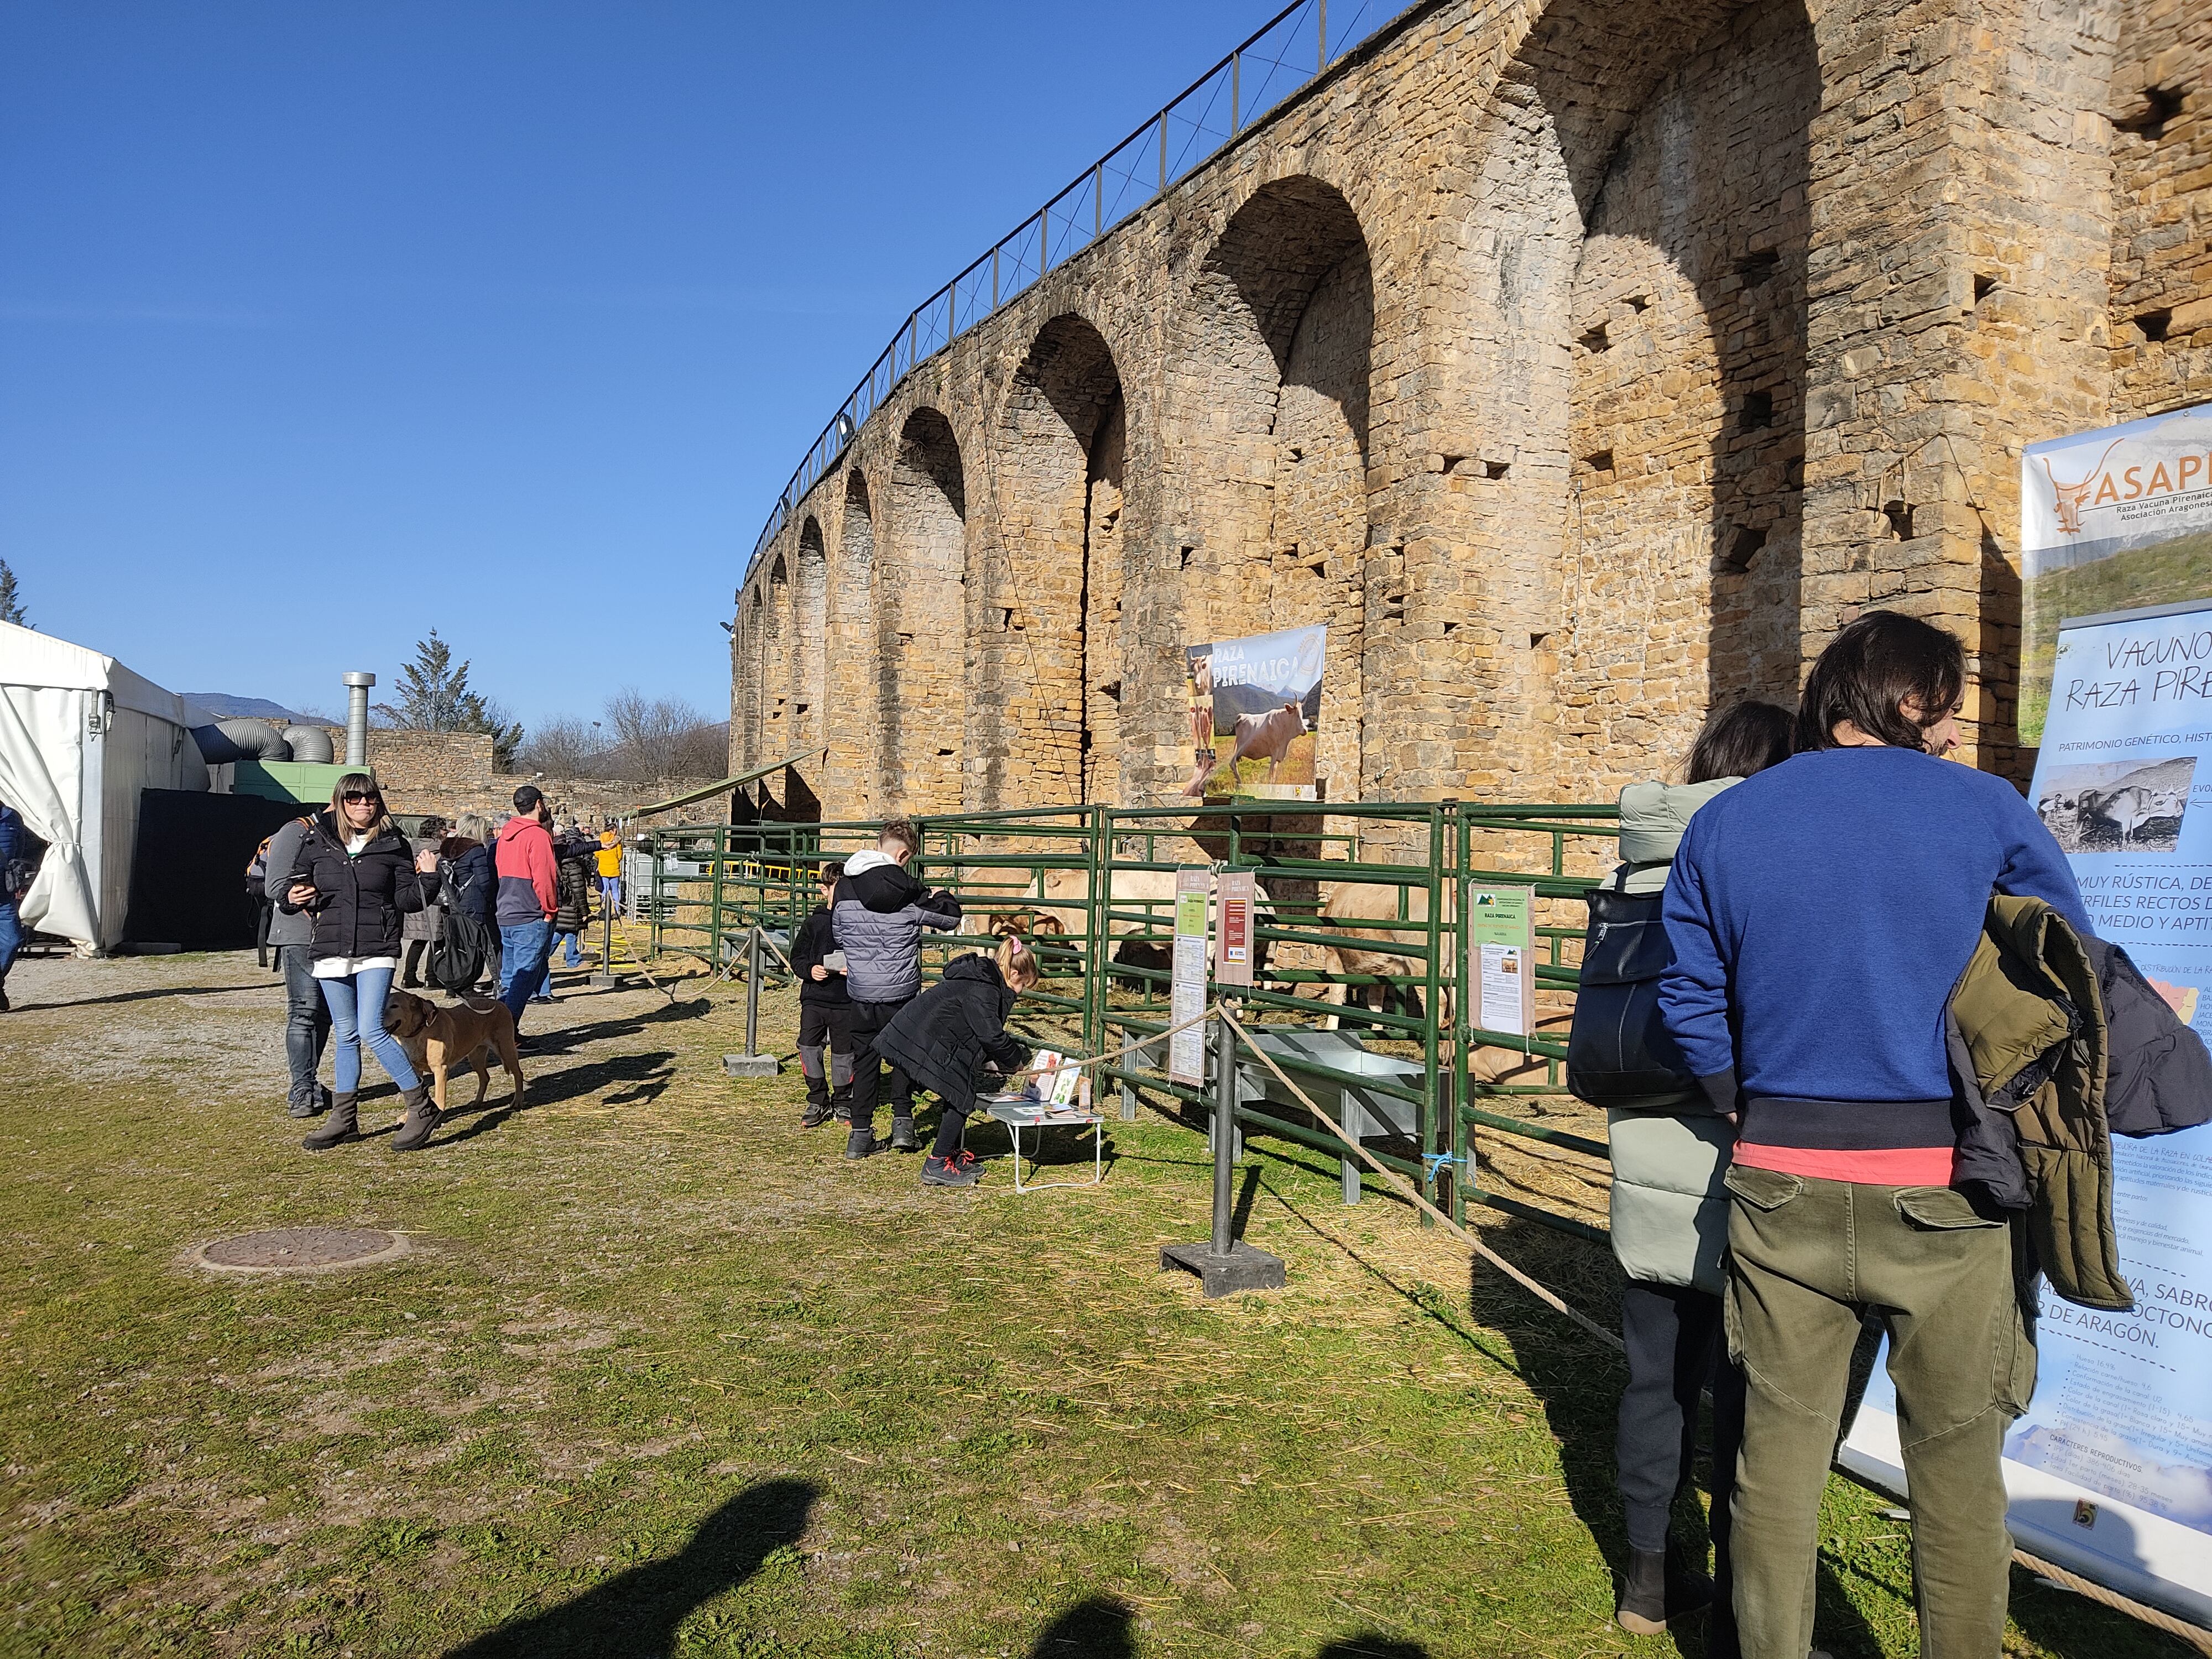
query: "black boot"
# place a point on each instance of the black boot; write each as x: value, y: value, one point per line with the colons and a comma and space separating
x: 344, y: 1125
x: 862, y: 1143
x: 1660, y: 1586
x: 902, y: 1137
x: 421, y: 1120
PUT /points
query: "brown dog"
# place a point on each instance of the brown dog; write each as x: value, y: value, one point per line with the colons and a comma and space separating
x: 439, y: 1038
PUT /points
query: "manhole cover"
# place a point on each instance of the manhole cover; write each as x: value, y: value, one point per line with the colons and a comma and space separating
x: 302, y: 1249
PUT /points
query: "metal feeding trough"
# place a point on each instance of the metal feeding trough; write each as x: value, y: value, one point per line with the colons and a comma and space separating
x: 1362, y: 1111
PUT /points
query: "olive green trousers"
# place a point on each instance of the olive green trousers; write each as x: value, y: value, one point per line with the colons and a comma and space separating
x: 1809, y: 1259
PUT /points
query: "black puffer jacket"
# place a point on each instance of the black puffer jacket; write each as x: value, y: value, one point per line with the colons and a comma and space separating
x: 572, y: 885
x: 359, y: 901
x: 942, y: 1037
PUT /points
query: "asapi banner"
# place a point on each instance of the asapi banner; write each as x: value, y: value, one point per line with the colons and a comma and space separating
x: 2114, y: 520
x: 1255, y: 714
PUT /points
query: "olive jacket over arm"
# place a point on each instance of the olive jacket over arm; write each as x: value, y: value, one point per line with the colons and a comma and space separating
x: 361, y: 899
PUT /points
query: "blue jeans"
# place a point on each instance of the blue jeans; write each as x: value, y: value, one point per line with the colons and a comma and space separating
x: 525, y: 949
x: 610, y: 891
x: 575, y: 958
x: 11, y: 937
x: 307, y: 1023
x: 357, y: 1020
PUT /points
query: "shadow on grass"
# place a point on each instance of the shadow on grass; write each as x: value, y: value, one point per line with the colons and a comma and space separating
x: 1370, y: 1645
x: 1102, y: 1627
x: 637, y: 1613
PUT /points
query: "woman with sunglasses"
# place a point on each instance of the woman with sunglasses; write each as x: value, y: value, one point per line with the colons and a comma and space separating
x: 357, y: 878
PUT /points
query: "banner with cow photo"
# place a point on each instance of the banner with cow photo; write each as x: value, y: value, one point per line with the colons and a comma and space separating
x: 1256, y: 715
x: 2114, y: 520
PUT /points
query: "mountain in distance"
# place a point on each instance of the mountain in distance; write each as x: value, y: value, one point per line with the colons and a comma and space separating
x: 224, y: 707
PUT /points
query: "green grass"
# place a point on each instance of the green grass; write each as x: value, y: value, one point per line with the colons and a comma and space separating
x: 2165, y: 573
x: 661, y: 1376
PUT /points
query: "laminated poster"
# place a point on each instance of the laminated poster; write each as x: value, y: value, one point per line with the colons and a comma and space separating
x: 1501, y: 934
x: 1239, y: 888
x: 2110, y: 1472
x: 1187, y: 992
x: 1256, y: 715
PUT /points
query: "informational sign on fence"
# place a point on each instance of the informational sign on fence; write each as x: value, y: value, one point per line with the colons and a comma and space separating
x: 1233, y: 959
x: 2115, y: 520
x: 1187, y: 986
x: 1501, y: 951
x: 2110, y: 1472
x: 1255, y: 714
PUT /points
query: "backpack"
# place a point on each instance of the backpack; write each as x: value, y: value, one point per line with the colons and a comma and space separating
x: 257, y: 867
x: 1618, y: 1053
x: 457, y: 957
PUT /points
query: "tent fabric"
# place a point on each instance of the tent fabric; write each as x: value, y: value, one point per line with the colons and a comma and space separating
x: 80, y: 736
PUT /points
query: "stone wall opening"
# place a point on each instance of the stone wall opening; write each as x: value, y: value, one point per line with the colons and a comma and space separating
x: 1651, y: 293
x: 1051, y: 580
x: 922, y: 624
x: 810, y: 640
x: 851, y: 649
x: 777, y: 736
x: 2161, y: 269
x: 1282, y: 330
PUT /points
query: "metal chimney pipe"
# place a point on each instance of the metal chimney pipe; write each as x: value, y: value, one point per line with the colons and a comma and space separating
x: 356, y: 685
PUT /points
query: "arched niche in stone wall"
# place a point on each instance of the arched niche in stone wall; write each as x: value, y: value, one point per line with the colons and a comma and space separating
x: 1045, y: 728
x: 752, y: 630
x: 1637, y: 311
x: 1280, y: 339
x: 809, y: 644
x: 776, y: 665
x: 851, y: 656
x: 921, y: 622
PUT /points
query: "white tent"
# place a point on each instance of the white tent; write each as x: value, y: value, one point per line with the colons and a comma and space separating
x: 80, y: 736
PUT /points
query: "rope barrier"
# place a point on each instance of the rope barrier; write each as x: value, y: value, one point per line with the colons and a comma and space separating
x: 2195, y: 1635
x: 1589, y: 1326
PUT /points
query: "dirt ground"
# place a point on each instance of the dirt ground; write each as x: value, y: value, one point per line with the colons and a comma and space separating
x: 659, y: 1374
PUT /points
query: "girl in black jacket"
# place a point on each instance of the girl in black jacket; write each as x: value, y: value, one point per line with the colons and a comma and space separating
x: 943, y: 1036
x: 356, y: 877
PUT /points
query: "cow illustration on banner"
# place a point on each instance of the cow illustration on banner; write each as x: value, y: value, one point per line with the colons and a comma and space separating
x: 1256, y: 713
x: 2114, y: 520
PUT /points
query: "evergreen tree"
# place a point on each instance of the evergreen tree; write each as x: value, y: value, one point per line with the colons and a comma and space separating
x: 434, y: 696
x: 11, y: 607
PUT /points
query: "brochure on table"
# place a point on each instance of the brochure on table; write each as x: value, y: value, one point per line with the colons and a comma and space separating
x: 2110, y: 1472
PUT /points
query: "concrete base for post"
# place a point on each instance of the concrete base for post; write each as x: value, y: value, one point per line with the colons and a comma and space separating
x: 1244, y: 1268
x: 604, y: 981
x: 752, y: 1065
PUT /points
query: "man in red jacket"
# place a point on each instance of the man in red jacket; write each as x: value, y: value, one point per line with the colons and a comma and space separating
x: 523, y: 860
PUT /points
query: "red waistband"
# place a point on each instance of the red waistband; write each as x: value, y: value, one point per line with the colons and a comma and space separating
x: 1891, y: 1166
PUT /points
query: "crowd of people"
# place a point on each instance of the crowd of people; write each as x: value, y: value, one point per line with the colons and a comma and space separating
x: 1808, y: 1129
x: 358, y: 909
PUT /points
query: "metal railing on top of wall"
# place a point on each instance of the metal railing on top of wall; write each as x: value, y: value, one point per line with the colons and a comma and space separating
x: 1292, y: 48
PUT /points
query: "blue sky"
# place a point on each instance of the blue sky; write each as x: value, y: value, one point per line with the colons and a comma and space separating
x: 322, y: 325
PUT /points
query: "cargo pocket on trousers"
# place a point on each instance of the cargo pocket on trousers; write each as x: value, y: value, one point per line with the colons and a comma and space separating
x: 1941, y: 1209
x: 1763, y: 1189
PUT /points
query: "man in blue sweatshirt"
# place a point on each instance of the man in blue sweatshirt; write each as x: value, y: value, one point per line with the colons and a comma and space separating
x: 1821, y: 914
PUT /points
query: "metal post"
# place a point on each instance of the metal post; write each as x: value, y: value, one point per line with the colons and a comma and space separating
x: 1225, y: 1128
x: 1163, y: 152
x: 1236, y: 90
x: 1321, y: 36
x: 994, y: 275
x: 952, y: 289
x: 1098, y: 201
x: 1044, y: 238
x: 752, y: 991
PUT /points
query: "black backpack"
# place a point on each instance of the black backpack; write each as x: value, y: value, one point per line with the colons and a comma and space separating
x: 459, y: 954
x: 1618, y: 1053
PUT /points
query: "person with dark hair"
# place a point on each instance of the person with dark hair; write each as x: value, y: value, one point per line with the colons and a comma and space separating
x: 877, y: 922
x: 1819, y: 915
x: 529, y: 896
x: 943, y: 1036
x: 826, y: 1011
x: 292, y: 932
x: 356, y: 875
x: 1669, y: 1211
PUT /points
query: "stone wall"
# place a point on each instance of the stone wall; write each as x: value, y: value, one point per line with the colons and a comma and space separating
x: 1584, y: 364
x: 450, y: 773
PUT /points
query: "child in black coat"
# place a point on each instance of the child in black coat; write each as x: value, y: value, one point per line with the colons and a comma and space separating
x: 826, y: 1011
x: 943, y: 1036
